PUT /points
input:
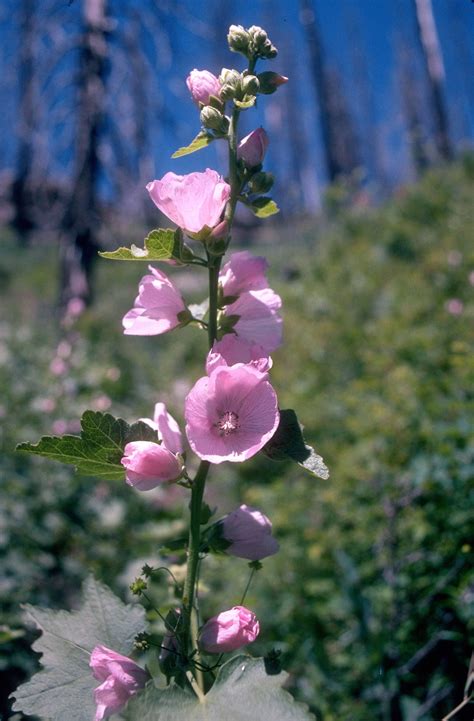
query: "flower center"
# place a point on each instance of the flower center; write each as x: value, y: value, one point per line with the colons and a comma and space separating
x: 228, y: 423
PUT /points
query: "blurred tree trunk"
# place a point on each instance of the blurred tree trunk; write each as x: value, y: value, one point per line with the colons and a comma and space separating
x: 21, y: 190
x: 434, y: 68
x: 336, y: 128
x: 81, y: 221
x: 411, y: 110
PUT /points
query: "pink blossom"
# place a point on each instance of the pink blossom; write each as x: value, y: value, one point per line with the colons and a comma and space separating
x: 156, y: 308
x: 202, y: 84
x: 167, y: 428
x: 454, y: 306
x: 192, y: 201
x: 232, y: 349
x: 242, y: 272
x: 148, y: 464
x: 258, y: 318
x: 229, y: 630
x: 253, y: 147
x: 231, y: 414
x: 250, y: 533
x: 121, y: 678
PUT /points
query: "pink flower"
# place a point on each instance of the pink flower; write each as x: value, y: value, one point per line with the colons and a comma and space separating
x: 258, y: 318
x: 202, y: 84
x: 121, y: 679
x: 167, y: 428
x: 156, y: 308
x: 243, y: 272
x: 191, y: 201
x: 148, y: 464
x: 229, y: 630
x: 250, y: 533
x: 231, y: 414
x: 253, y: 147
x: 232, y: 349
x: 454, y: 306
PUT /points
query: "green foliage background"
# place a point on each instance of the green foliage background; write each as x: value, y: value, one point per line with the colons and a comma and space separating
x: 371, y: 597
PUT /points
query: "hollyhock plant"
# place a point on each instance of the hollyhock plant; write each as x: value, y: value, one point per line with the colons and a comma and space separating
x: 250, y: 534
x: 191, y: 201
x: 167, y: 428
x: 232, y: 349
x: 158, y: 306
x: 229, y: 630
x: 252, y: 148
x: 231, y: 414
x: 121, y: 678
x: 149, y: 464
x: 202, y: 84
x: 242, y: 272
x: 258, y: 319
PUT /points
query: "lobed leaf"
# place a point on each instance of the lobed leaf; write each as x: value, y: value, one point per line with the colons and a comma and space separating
x: 201, y: 140
x: 264, y: 207
x: 243, y: 691
x: 63, y: 688
x: 288, y: 443
x: 99, y: 448
x: 160, y: 244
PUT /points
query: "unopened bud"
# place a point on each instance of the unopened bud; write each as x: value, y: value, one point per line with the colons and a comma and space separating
x: 250, y: 85
x: 270, y: 81
x: 202, y: 84
x: 216, y: 242
x: 238, y: 39
x: 252, y: 148
x: 261, y: 182
x: 230, y: 81
x: 260, y: 45
x: 213, y: 119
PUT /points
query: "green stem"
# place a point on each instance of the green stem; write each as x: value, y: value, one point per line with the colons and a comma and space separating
x: 247, y: 586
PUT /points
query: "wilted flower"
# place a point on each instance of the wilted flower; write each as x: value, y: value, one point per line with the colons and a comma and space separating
x: 243, y: 271
x: 202, y: 84
x: 253, y: 147
x: 191, y: 201
x: 121, y: 679
x: 157, y: 307
x: 250, y: 534
x: 148, y: 464
x: 229, y: 630
x: 231, y: 414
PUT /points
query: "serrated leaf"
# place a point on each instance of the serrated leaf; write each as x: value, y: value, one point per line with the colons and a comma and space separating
x: 243, y: 691
x: 98, y: 450
x: 201, y: 140
x: 264, y: 207
x: 160, y: 244
x: 288, y: 443
x: 63, y: 689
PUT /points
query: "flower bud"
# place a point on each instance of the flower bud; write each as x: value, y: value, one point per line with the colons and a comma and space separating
x: 238, y: 39
x: 250, y: 85
x: 202, y: 84
x: 148, y: 464
x: 216, y: 241
x: 214, y: 120
x: 252, y: 148
x: 230, y: 81
x: 270, y: 81
x: 229, y: 630
x: 121, y: 678
x: 259, y: 44
x: 250, y: 534
x: 261, y: 182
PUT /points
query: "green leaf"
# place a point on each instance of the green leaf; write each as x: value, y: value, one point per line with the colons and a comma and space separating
x: 288, y: 443
x: 160, y: 244
x: 247, y: 102
x: 98, y: 450
x: 201, y: 140
x: 64, y: 688
x: 264, y: 207
x: 243, y: 691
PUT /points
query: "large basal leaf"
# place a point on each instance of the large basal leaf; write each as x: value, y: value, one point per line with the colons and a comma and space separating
x: 160, y: 244
x: 201, y: 140
x: 99, y: 448
x: 243, y: 691
x: 63, y: 689
x: 288, y: 443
